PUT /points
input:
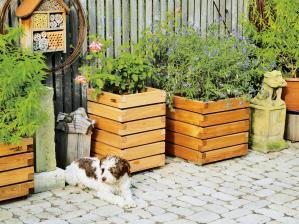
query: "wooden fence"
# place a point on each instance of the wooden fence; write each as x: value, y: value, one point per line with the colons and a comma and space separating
x: 124, y: 21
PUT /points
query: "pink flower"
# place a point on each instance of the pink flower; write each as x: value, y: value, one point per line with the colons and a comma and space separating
x: 95, y: 46
x: 81, y: 79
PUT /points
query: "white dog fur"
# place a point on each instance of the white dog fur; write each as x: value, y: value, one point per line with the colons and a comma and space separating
x: 108, y: 176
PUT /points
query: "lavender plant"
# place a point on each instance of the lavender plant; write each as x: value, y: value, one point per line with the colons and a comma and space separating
x: 203, y: 68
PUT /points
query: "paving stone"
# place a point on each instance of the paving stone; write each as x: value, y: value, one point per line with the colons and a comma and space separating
x: 192, y: 200
x: 12, y: 221
x: 263, y: 182
x: 54, y: 221
x: 224, y: 221
x: 180, y: 211
x: 155, y: 210
x: 204, y: 217
x: 237, y: 213
x: 29, y: 219
x: 180, y: 221
x: 4, y: 214
x: 264, y: 193
x: 164, y: 217
x: 280, y: 198
x: 73, y: 214
x: 108, y: 210
x: 253, y: 219
x: 288, y: 220
x: 273, y: 214
x: 216, y: 208
x: 223, y: 196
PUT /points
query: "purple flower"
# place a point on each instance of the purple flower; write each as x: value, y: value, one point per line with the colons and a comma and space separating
x: 244, y: 49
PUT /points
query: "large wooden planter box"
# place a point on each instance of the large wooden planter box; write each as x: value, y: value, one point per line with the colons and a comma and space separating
x: 130, y: 126
x: 207, y: 132
x: 16, y: 169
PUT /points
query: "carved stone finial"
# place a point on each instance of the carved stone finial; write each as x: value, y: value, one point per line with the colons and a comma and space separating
x: 270, y: 93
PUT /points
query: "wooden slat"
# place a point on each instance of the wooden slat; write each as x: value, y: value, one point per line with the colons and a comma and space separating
x: 207, y: 144
x: 141, y: 22
x: 190, y: 12
x: 228, y: 15
x: 149, y: 14
x: 127, y: 114
x: 224, y: 129
x: 156, y: 11
x: 185, y: 13
x: 125, y: 22
x: 128, y: 141
x: 129, y: 153
x: 170, y: 11
x: 178, y: 14
x: 206, y: 157
x: 92, y: 22
x: 222, y: 12
x: 183, y: 128
x: 204, y: 14
x: 16, y: 161
x: 143, y: 163
x: 117, y: 27
x: 101, y: 18
x: 151, y: 96
x: 210, y: 9
x: 185, y: 116
x: 197, y: 14
x: 224, y: 153
x: 235, y: 17
x: 240, y: 14
x: 209, y: 107
x: 133, y: 21
x: 109, y: 25
x: 147, y: 163
x: 128, y: 127
x: 16, y: 176
x: 184, y: 140
x: 16, y: 190
x: 182, y: 152
x: 163, y: 10
x: 24, y: 146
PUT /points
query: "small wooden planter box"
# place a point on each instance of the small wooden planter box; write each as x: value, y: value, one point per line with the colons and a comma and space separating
x: 130, y: 126
x: 16, y: 169
x: 207, y: 132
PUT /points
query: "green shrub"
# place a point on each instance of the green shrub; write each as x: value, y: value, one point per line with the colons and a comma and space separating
x: 126, y: 74
x: 21, y: 75
x: 275, y: 30
x: 205, y: 69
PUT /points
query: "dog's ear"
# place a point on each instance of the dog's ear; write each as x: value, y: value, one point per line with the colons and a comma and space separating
x: 124, y: 167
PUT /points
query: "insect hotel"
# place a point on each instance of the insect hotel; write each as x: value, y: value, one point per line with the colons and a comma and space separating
x: 44, y: 24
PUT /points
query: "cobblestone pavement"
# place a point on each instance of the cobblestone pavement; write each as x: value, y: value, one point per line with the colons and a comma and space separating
x: 257, y: 188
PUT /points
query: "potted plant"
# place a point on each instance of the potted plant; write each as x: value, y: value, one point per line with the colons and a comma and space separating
x: 130, y: 118
x: 20, y: 113
x: 207, y: 81
x: 274, y: 29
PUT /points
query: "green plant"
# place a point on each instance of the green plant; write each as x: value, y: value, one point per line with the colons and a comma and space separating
x: 125, y: 74
x: 21, y: 75
x: 211, y: 68
x: 274, y: 28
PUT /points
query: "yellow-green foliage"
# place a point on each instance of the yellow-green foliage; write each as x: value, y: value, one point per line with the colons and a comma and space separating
x: 21, y: 75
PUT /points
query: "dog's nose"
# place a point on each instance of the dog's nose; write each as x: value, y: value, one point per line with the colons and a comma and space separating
x: 104, y: 179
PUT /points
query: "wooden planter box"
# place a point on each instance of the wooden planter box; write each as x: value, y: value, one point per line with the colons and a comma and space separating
x: 207, y: 132
x: 130, y: 126
x: 16, y: 169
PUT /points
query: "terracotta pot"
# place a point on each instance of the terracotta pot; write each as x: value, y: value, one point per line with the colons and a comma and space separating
x: 290, y: 94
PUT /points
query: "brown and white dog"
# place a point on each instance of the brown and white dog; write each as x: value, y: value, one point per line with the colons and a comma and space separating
x: 110, y: 177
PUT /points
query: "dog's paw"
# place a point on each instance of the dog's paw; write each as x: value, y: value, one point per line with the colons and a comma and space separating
x: 130, y: 204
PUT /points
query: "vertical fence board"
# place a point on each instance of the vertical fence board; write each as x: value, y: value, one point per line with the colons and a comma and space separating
x: 101, y: 18
x: 109, y: 25
x: 204, y: 15
x: 156, y: 12
x: 222, y: 16
x: 197, y: 14
x: 191, y: 12
x: 125, y: 22
x: 163, y: 10
x: 140, y: 18
x: 117, y: 27
x: 170, y: 12
x: 184, y: 13
x: 133, y: 15
x: 234, y: 16
x: 210, y: 12
x: 92, y: 18
x: 240, y: 14
x: 149, y: 14
x: 228, y: 14
x: 178, y: 14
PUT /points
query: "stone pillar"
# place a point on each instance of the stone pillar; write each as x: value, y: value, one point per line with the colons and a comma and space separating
x: 268, y: 115
x: 47, y: 176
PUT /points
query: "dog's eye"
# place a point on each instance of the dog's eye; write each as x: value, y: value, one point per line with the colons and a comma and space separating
x: 103, y: 170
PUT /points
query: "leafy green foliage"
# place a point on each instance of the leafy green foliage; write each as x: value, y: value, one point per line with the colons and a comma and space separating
x: 126, y: 74
x: 275, y: 30
x: 21, y: 76
x: 211, y: 68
